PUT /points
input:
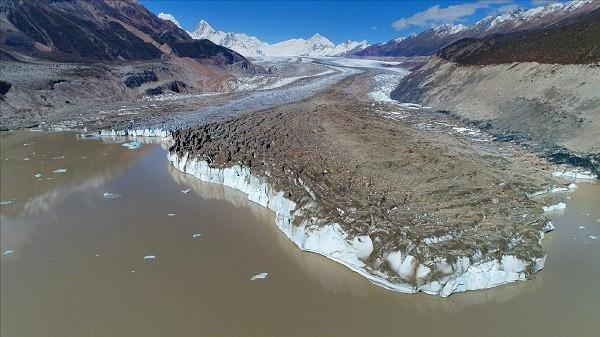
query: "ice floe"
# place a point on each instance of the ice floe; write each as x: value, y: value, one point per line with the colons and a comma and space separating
x: 60, y: 171
x: 171, y: 214
x: 259, y: 276
x: 132, y: 145
x: 186, y: 191
x: 111, y: 195
x: 149, y: 257
x: 8, y: 252
x: 593, y: 237
x: 37, y: 175
x: 6, y: 202
x: 196, y: 235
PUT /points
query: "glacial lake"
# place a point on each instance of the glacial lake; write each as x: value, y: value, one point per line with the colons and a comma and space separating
x: 101, y: 240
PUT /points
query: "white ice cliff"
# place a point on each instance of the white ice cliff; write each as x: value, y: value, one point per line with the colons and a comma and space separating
x: 332, y: 241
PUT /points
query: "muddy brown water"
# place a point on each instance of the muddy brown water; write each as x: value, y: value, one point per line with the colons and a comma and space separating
x: 78, y: 269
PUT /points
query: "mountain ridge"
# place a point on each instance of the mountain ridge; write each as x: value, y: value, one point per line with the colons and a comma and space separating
x: 99, y: 30
x: 251, y: 46
x: 431, y: 40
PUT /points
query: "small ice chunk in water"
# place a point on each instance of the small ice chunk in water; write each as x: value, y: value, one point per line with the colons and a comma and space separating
x: 58, y: 157
x: 149, y: 257
x: 6, y: 202
x: 111, y: 195
x: 132, y: 145
x: 197, y: 235
x: 37, y: 175
x: 259, y: 276
x: 8, y: 252
x: 171, y: 214
x: 27, y: 158
x: 581, y: 227
x: 97, y: 255
x: 60, y: 171
x: 593, y: 237
x: 186, y: 191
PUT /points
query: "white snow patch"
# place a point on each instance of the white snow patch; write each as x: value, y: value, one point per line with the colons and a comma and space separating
x: 575, y: 174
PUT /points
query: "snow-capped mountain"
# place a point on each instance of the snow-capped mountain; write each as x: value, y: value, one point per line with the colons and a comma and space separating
x: 248, y: 45
x: 244, y: 44
x: 169, y: 17
x: 429, y: 41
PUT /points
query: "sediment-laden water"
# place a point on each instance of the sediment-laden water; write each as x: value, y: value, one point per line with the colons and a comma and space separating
x: 82, y: 219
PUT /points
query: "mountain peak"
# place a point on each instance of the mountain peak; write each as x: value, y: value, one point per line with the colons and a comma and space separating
x: 203, y: 25
x: 169, y: 17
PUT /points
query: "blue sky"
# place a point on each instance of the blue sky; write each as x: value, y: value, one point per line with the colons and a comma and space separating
x: 376, y: 21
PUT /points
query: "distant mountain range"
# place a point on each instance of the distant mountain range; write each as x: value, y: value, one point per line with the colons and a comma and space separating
x: 431, y: 40
x: 251, y: 46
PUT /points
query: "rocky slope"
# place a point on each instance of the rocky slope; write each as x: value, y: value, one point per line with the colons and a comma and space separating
x: 83, y: 30
x: 535, y: 87
x: 431, y: 40
x: 65, y: 53
x: 575, y: 40
x: 251, y: 46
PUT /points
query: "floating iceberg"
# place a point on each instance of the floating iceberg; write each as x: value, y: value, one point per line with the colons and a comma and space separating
x: 259, y: 276
x: 132, y: 145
